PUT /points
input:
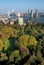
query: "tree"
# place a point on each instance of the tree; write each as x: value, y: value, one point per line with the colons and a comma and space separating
x: 3, y: 57
x: 42, y: 63
x: 7, y: 31
x: 21, y: 32
x: 23, y: 40
x: 32, y: 41
x: 1, y: 45
x: 16, y: 32
x: 6, y: 44
x: 39, y: 57
x: 32, y: 59
x: 24, y: 51
x: 15, y: 55
x: 32, y: 44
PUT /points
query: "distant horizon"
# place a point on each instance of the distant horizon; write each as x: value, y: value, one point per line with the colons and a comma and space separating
x: 21, y: 5
x: 5, y: 12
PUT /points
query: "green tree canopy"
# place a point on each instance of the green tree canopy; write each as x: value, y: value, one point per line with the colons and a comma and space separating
x: 6, y: 44
x: 27, y: 40
x: 23, y: 40
x: 32, y: 41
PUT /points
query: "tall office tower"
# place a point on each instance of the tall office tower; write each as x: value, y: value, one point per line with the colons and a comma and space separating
x: 28, y: 14
x: 9, y: 13
x: 36, y: 13
x: 12, y: 11
x: 31, y: 14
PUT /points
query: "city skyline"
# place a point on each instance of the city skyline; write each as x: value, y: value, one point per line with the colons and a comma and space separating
x: 21, y: 5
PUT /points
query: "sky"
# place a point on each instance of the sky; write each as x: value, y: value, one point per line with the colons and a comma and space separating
x: 21, y: 5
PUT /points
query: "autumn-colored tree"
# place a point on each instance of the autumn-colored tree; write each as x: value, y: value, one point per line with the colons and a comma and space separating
x: 32, y: 41
x: 3, y: 57
x: 6, y: 44
x: 15, y: 55
x: 24, y: 51
x: 42, y: 63
x: 23, y: 40
x: 27, y: 40
x: 1, y: 45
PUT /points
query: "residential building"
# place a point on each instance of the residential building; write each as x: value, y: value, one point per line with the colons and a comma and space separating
x: 20, y: 20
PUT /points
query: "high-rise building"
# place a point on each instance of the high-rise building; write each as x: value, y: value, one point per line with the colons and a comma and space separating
x: 31, y: 14
x: 8, y: 13
x: 13, y: 11
x: 28, y: 13
x: 36, y: 13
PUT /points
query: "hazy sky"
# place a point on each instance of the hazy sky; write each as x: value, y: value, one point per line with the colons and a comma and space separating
x: 21, y: 5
